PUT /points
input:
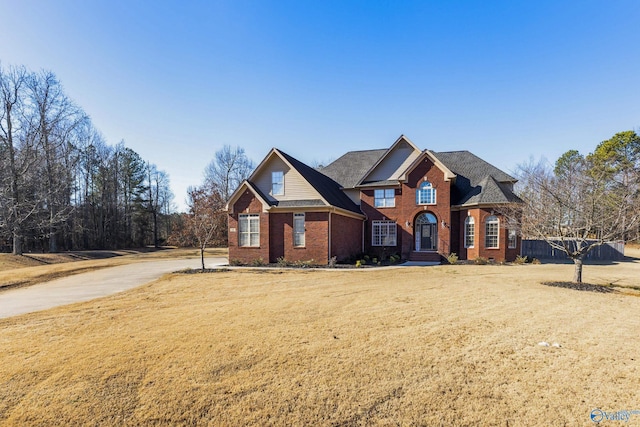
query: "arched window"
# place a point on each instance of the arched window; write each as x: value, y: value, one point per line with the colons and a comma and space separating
x: 492, y: 227
x: 426, y: 194
x: 469, y: 232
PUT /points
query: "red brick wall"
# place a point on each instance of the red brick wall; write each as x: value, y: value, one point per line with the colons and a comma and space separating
x: 406, y: 211
x: 468, y: 253
x: 502, y: 253
x: 346, y: 237
x: 247, y: 203
x: 316, y: 237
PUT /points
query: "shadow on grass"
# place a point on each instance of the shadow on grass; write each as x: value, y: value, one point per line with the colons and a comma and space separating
x: 581, y: 287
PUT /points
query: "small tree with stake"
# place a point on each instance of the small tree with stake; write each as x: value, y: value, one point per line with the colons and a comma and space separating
x: 205, y: 219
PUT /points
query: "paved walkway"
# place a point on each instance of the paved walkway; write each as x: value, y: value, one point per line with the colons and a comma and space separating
x: 95, y: 284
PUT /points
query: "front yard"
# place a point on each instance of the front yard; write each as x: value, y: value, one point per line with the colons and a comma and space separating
x: 446, y: 345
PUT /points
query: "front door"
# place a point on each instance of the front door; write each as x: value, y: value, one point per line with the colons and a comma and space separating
x: 427, y: 234
x: 426, y: 227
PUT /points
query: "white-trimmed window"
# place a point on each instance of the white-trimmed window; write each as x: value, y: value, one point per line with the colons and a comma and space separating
x: 513, y: 239
x: 277, y: 183
x: 426, y: 194
x: 384, y: 198
x: 469, y: 232
x: 249, y: 230
x: 298, y: 230
x: 492, y: 228
x: 383, y: 233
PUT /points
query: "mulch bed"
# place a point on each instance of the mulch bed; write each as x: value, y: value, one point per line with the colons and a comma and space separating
x: 581, y: 287
x: 199, y: 270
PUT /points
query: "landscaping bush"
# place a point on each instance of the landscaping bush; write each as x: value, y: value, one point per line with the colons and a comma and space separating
x: 520, y: 260
x: 481, y: 260
x: 452, y: 258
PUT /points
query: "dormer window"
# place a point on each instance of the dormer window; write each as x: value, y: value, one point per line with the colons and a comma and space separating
x: 277, y: 183
x: 426, y: 194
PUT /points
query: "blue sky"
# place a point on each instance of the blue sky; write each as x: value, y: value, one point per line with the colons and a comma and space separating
x: 178, y: 80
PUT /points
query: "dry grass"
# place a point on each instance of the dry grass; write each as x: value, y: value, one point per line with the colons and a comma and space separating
x: 450, y: 345
x: 26, y: 270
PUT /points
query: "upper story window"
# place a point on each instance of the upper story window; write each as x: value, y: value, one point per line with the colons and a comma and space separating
x: 469, y: 232
x: 249, y: 230
x: 426, y: 194
x: 277, y: 183
x: 384, y: 198
x: 492, y: 227
x: 298, y: 230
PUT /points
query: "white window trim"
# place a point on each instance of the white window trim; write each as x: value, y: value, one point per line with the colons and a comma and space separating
x: 420, y: 191
x: 490, y: 220
x: 298, y: 232
x: 385, y: 198
x: 273, y: 183
x: 244, y: 228
x: 470, y: 221
x: 388, y: 235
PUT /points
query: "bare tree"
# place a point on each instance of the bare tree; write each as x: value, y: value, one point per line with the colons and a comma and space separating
x: 204, y: 221
x: 574, y: 207
x: 227, y: 170
x: 54, y: 118
x: 18, y: 156
x: 159, y: 197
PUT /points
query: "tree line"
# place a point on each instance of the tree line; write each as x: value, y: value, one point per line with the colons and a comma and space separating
x: 62, y: 186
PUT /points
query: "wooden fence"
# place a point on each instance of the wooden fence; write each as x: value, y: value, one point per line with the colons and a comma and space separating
x: 610, y: 251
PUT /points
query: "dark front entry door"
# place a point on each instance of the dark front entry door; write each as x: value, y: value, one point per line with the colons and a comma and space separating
x: 427, y: 234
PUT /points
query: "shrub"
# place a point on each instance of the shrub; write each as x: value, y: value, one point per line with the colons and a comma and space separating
x: 374, y: 260
x: 282, y: 262
x: 258, y: 262
x: 359, y: 263
x: 481, y: 261
x: 235, y: 262
x: 535, y: 261
x: 394, y: 258
x: 333, y: 261
x: 520, y: 260
x: 452, y: 258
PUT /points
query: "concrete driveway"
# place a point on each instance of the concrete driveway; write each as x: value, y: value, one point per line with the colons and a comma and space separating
x: 95, y: 284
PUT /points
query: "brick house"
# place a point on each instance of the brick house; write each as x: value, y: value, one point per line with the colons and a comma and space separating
x: 419, y: 204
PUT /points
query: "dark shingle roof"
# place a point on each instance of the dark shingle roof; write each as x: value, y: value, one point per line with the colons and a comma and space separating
x: 327, y: 187
x: 477, y: 181
x: 299, y: 203
x: 260, y: 193
x: 350, y: 168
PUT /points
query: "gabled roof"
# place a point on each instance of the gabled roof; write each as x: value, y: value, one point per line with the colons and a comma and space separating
x: 328, y: 189
x: 266, y: 203
x: 401, y: 140
x: 448, y: 174
x: 349, y: 169
x: 477, y: 182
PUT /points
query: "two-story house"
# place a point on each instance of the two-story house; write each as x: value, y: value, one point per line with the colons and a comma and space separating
x: 419, y: 204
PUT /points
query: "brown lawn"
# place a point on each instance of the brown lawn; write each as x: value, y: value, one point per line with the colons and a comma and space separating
x: 449, y: 345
